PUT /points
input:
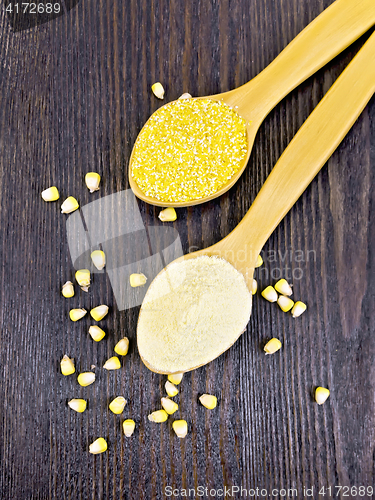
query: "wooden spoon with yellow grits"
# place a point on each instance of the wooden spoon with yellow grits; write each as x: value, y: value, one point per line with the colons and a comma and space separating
x: 198, y: 306
x: 198, y: 171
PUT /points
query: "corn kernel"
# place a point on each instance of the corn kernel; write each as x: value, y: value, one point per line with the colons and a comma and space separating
x: 117, y: 405
x: 298, y: 308
x: 76, y: 314
x: 92, y: 180
x: 272, y: 346
x: 137, y: 280
x: 67, y: 290
x: 122, y: 347
x: 285, y: 303
x: 158, y: 416
x: 98, y: 446
x: 112, y: 363
x: 83, y: 279
x: 86, y: 378
x: 283, y: 287
x: 169, y: 406
x: 50, y: 194
x: 67, y: 365
x: 259, y: 261
x: 99, y: 312
x: 180, y: 427
x: 171, y: 389
x: 321, y: 395
x: 158, y: 90
x: 98, y: 258
x: 78, y: 405
x: 128, y: 425
x: 208, y: 401
x: 168, y: 215
x: 69, y: 205
x: 270, y: 294
x: 186, y: 95
x: 254, y: 287
x: 175, y: 378
x: 96, y: 333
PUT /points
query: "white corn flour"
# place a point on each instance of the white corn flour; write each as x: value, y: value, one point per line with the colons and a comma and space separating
x: 193, y: 311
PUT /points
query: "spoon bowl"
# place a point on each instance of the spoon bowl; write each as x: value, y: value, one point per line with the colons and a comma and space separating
x: 309, y: 150
x: 251, y: 130
x: 323, y: 39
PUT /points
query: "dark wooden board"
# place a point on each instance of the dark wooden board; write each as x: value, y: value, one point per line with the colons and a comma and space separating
x: 74, y: 94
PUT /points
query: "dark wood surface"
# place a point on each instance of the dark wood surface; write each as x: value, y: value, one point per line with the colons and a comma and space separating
x: 74, y: 94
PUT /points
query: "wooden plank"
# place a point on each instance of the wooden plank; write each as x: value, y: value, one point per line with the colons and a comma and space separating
x: 74, y: 94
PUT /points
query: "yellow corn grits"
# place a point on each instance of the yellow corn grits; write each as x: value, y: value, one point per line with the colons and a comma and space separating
x: 188, y: 150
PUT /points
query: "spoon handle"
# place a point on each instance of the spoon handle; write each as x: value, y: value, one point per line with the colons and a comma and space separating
x: 309, y: 150
x: 330, y: 33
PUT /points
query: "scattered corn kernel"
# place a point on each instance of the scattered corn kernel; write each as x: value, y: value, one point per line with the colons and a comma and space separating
x: 283, y: 287
x: 76, y: 314
x: 83, y: 279
x: 112, y: 363
x: 158, y: 416
x: 86, y: 378
x: 169, y: 406
x: 99, y: 312
x: 92, y: 180
x: 285, y: 303
x: 128, y: 426
x: 78, y: 405
x: 98, y: 258
x: 67, y: 365
x: 171, y: 389
x: 175, y: 378
x: 272, y: 346
x: 270, y: 294
x: 168, y: 215
x: 321, y: 395
x: 98, y: 446
x: 208, y: 401
x: 96, y: 333
x: 117, y: 405
x: 158, y: 90
x: 254, y: 287
x: 69, y: 205
x: 50, y: 194
x: 186, y: 95
x: 67, y: 290
x: 298, y: 308
x: 122, y: 347
x: 137, y: 280
x: 180, y: 427
x: 259, y: 261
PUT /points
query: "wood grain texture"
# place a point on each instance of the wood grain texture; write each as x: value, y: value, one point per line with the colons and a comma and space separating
x: 74, y: 94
